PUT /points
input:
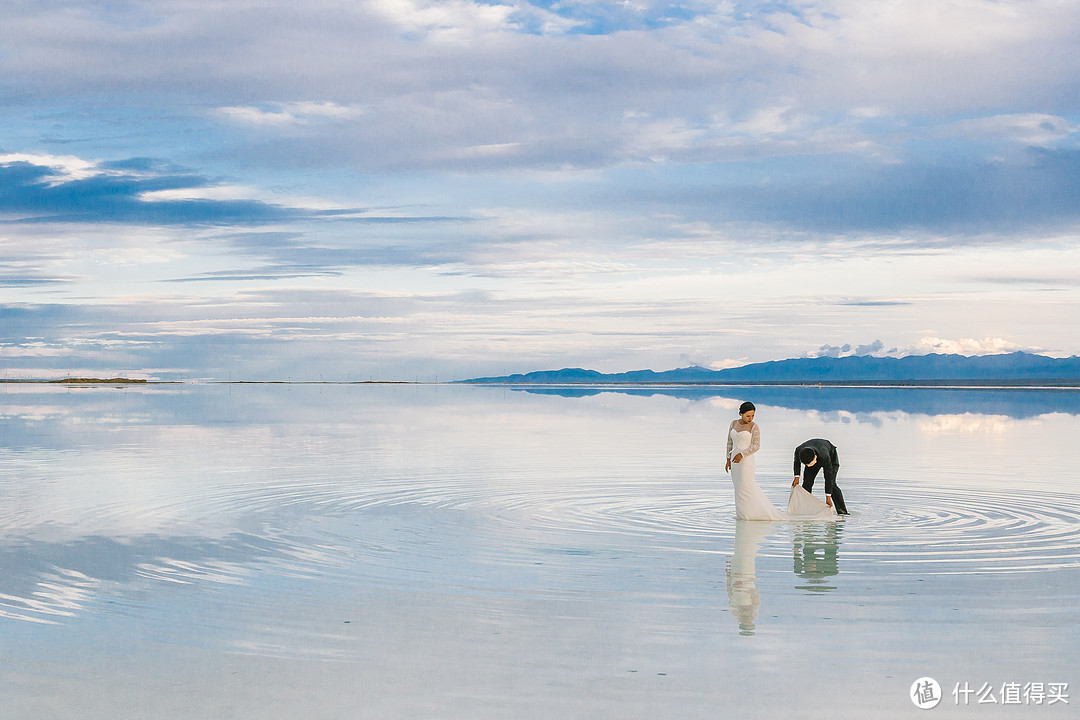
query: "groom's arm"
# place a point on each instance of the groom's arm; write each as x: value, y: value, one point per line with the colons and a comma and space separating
x: 829, y: 470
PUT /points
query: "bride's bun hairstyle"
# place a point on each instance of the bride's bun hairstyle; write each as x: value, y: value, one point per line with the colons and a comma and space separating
x: 746, y: 407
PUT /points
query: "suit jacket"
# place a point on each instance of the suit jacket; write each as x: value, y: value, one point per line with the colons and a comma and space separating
x: 827, y: 459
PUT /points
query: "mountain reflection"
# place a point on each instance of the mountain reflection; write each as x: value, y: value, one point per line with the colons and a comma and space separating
x: 1009, y: 402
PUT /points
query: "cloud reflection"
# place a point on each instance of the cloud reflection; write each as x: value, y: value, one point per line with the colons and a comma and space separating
x: 862, y: 405
x: 46, y: 582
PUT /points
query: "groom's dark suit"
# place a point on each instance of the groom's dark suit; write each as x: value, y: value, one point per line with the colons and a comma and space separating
x: 828, y: 462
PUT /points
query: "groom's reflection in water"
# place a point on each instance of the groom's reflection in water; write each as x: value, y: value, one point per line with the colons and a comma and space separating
x: 816, y: 558
x: 816, y: 554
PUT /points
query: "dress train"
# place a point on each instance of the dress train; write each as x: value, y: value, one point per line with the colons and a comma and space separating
x: 751, y: 502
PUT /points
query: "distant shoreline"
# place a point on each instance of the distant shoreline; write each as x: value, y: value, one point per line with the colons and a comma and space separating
x: 129, y: 381
x: 1051, y: 384
x: 92, y: 381
x: 927, y: 384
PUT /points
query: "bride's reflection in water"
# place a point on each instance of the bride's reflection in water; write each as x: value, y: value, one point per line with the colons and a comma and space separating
x: 816, y: 554
x: 815, y: 550
x: 743, y: 595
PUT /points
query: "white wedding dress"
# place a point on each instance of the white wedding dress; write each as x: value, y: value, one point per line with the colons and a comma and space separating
x: 801, y: 505
x: 750, y: 501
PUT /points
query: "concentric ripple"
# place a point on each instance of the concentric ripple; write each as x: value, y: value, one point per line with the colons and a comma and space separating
x: 455, y: 534
x: 971, y: 530
x: 906, y: 528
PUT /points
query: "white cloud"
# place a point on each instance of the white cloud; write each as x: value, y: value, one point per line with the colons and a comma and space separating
x: 490, y: 150
x: 729, y: 363
x: 612, y: 246
x: 926, y: 345
x: 766, y: 121
x: 33, y: 349
x: 447, y: 20
x: 65, y: 167
x: 1031, y: 129
x: 791, y: 83
x: 291, y: 113
x: 969, y: 346
x: 938, y: 426
x: 216, y: 192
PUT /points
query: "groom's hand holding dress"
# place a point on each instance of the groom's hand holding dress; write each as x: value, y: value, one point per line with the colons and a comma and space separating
x: 820, y: 455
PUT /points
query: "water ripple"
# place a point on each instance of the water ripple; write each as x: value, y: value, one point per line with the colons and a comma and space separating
x: 911, y: 529
x: 454, y: 535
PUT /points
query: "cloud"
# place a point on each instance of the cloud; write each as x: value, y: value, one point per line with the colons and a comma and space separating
x: 1035, y: 279
x: 32, y: 192
x: 270, y: 272
x: 445, y: 20
x: 45, y: 189
x: 252, y: 333
x: 877, y: 348
x: 653, y: 81
x: 969, y: 346
x: 54, y: 169
x: 1028, y: 129
x: 597, y: 169
x: 833, y: 351
x: 293, y: 113
x: 926, y: 345
x: 728, y: 363
x: 874, y: 347
x: 957, y: 196
x: 32, y: 350
x: 21, y: 275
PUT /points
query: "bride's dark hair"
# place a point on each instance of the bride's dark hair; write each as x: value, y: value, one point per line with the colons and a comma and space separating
x: 746, y: 407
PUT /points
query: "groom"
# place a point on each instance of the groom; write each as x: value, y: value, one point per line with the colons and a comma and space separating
x: 820, y: 454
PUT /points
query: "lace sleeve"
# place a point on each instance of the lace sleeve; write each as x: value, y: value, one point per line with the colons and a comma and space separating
x: 727, y: 454
x: 755, y: 441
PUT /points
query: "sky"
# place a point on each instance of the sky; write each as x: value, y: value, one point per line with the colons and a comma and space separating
x: 414, y: 190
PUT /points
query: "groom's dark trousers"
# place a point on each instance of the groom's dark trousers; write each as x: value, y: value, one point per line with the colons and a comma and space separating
x: 827, y: 461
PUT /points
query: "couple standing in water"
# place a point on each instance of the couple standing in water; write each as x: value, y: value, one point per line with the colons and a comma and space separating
x: 743, y: 441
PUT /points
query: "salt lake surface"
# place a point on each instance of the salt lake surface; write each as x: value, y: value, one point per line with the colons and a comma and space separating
x: 384, y: 551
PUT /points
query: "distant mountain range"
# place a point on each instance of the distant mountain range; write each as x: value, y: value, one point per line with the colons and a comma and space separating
x: 1011, y: 368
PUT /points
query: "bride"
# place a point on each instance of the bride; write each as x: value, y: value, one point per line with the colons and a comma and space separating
x: 743, y: 441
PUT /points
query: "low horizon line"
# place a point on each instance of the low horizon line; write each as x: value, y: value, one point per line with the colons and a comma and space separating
x: 972, y: 383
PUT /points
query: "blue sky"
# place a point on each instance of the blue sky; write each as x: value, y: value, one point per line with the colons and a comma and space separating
x: 403, y: 189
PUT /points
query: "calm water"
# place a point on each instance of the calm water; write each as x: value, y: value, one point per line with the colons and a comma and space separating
x: 469, y: 552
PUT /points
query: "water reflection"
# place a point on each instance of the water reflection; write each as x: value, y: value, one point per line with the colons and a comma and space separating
x: 46, y: 581
x: 816, y: 560
x: 857, y: 403
x: 114, y: 503
x: 743, y: 594
x: 816, y: 554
